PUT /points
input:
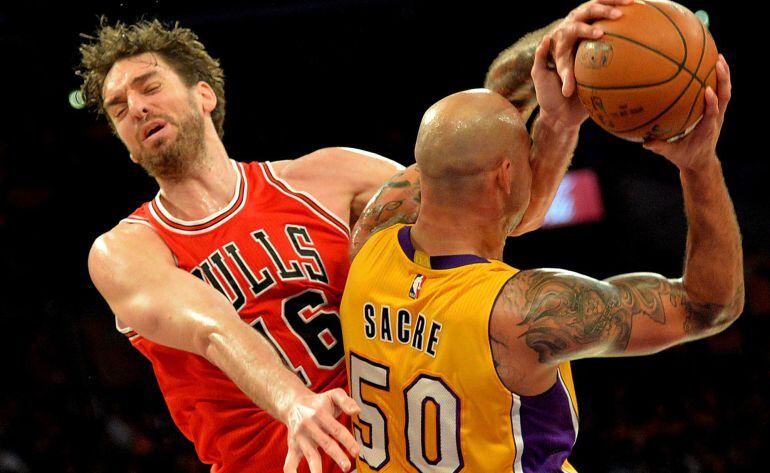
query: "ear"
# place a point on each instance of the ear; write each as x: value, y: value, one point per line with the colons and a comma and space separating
x: 504, y: 176
x: 207, y: 95
x: 133, y: 159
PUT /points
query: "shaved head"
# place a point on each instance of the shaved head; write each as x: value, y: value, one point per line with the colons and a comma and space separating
x: 468, y: 133
x: 475, y: 177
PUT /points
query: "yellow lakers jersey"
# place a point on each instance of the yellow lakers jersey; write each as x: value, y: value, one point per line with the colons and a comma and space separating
x: 416, y: 334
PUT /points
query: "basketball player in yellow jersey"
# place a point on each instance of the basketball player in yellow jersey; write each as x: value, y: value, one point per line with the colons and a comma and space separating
x: 460, y: 362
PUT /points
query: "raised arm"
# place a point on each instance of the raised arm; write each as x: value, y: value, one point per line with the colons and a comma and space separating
x: 509, y: 74
x: 135, y: 272
x: 555, y: 131
x: 562, y: 315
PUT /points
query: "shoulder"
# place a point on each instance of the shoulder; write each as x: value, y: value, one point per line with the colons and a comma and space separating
x: 125, y: 249
x: 530, y: 293
x: 338, y: 166
x: 517, y: 364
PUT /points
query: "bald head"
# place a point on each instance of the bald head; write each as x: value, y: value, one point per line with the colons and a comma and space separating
x: 468, y: 133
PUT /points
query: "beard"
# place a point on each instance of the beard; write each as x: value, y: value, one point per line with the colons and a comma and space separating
x: 178, y: 157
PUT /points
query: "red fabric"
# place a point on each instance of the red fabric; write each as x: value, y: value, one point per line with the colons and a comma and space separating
x: 228, y: 430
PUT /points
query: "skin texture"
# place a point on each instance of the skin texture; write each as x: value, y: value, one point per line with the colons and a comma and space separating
x: 543, y: 317
x: 170, y: 306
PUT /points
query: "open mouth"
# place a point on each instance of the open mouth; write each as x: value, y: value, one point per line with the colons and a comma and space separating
x: 152, y: 128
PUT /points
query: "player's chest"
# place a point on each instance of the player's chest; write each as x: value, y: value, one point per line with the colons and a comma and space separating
x: 250, y: 262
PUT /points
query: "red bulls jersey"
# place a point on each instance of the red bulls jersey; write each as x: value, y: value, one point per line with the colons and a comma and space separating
x: 281, y: 260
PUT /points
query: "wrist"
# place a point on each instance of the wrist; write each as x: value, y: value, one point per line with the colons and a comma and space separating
x: 696, y: 180
x: 698, y: 167
x: 552, y: 122
x: 286, y: 400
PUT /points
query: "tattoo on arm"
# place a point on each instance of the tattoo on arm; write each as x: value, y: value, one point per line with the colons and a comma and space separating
x: 566, y: 316
x: 510, y: 73
x: 397, y: 201
x: 569, y: 316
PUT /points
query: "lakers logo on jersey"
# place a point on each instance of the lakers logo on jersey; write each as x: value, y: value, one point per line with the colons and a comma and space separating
x: 417, y: 346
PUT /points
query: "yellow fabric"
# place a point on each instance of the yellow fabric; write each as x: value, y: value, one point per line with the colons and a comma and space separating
x: 460, y: 300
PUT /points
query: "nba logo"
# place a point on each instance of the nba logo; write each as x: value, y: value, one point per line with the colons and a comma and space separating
x: 414, y: 291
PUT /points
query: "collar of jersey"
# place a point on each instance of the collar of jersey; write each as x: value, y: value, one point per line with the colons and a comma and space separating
x: 433, y: 262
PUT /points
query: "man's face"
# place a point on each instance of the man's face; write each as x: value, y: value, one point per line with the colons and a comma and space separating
x: 155, y: 115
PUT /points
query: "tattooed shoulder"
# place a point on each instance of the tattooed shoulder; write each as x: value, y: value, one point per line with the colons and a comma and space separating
x: 397, y: 201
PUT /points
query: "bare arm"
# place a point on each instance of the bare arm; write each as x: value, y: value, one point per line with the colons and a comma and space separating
x: 343, y: 179
x: 550, y: 156
x: 397, y: 201
x: 555, y: 132
x: 509, y: 74
x: 562, y: 315
x: 136, y: 274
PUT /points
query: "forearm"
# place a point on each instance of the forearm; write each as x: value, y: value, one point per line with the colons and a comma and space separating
x: 713, y: 273
x: 249, y: 360
x: 510, y: 73
x: 551, y: 154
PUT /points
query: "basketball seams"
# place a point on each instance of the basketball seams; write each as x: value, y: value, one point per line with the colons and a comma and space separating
x: 663, y: 112
x: 678, y: 31
x: 676, y: 87
x: 702, y: 83
x: 681, y: 67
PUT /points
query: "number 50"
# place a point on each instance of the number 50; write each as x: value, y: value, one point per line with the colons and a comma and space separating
x: 423, y: 389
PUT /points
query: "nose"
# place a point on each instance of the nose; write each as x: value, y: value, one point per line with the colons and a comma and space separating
x: 137, y: 107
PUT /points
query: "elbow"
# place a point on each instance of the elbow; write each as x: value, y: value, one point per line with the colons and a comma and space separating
x: 705, y: 319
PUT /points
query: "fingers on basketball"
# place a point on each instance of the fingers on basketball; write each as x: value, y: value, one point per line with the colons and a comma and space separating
x: 724, y: 84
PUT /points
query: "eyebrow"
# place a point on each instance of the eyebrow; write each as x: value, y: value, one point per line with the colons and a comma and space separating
x: 135, y: 81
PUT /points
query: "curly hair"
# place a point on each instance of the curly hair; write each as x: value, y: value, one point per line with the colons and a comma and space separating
x: 179, y: 47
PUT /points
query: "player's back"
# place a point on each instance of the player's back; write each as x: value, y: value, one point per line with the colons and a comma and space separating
x: 416, y: 331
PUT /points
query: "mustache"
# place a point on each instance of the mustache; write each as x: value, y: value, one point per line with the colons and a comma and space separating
x: 151, y: 117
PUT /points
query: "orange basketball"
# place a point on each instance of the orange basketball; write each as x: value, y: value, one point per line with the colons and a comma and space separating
x: 646, y: 77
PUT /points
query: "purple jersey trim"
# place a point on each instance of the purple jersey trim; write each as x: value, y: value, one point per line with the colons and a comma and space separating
x: 436, y: 262
x: 546, y: 430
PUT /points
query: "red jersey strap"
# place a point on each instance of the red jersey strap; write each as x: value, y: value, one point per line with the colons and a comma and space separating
x: 311, y: 203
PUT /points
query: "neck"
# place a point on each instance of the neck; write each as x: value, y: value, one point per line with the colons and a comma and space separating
x: 208, y: 188
x: 440, y: 231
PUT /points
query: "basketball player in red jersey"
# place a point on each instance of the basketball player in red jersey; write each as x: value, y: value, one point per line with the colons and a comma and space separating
x: 271, y: 238
x: 229, y: 280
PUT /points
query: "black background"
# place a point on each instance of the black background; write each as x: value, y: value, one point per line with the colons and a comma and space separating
x: 308, y: 74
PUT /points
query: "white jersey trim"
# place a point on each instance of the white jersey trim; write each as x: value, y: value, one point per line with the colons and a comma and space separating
x: 225, y: 209
x: 305, y: 194
x: 156, y: 201
x: 125, y: 330
x: 518, y: 439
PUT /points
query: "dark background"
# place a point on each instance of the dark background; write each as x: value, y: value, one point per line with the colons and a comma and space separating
x: 306, y: 74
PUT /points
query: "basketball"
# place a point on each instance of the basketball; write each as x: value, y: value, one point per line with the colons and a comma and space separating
x: 646, y: 77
